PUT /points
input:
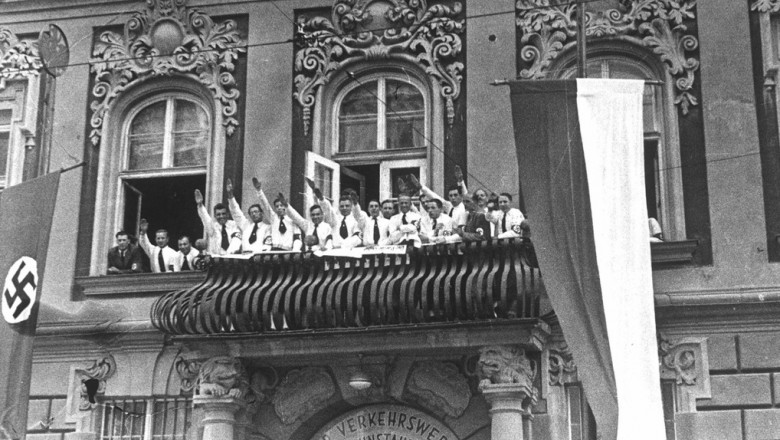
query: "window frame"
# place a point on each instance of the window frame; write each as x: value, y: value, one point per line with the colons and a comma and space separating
x: 20, y: 95
x: 109, y: 204
x: 669, y: 183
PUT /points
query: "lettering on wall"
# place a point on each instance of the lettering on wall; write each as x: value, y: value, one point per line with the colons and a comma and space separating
x: 385, y: 422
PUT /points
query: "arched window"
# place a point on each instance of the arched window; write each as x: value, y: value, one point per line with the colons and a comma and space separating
x: 166, y: 142
x: 663, y: 178
x: 380, y: 129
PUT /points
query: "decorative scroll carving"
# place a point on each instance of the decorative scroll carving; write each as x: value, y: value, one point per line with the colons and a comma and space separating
x: 770, y: 6
x: 440, y: 387
x: 657, y: 24
x: 165, y: 39
x: 93, y: 381
x: 302, y: 391
x: 188, y: 373
x: 686, y: 361
x: 562, y: 368
x: 368, y: 29
x: 221, y: 376
x: 18, y: 59
x: 505, y: 364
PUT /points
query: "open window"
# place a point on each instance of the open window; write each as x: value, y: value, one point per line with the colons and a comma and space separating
x: 18, y: 108
x: 325, y: 174
x: 380, y: 126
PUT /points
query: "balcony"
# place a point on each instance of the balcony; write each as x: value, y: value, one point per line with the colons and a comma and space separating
x: 496, y: 281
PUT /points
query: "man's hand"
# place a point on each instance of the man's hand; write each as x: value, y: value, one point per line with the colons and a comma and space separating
x: 229, y: 189
x: 256, y: 183
x: 401, y: 186
x: 198, y: 197
x: 113, y: 269
x: 458, y: 174
x: 281, y: 198
x: 317, y: 192
x: 143, y: 226
x: 414, y: 184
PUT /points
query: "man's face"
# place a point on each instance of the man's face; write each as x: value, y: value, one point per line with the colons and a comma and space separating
x: 256, y: 214
x: 455, y: 197
x: 316, y: 216
x: 345, y: 207
x: 280, y: 208
x: 184, y: 245
x: 161, y: 238
x: 374, y: 209
x: 482, y: 197
x: 469, y: 205
x: 388, y: 210
x: 123, y: 241
x: 404, y: 204
x: 433, y: 210
x: 221, y: 215
x: 503, y: 203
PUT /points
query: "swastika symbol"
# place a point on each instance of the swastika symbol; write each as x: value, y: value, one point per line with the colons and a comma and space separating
x: 18, y: 286
x: 19, y: 291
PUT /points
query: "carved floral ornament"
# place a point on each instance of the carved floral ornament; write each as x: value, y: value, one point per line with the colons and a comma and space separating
x: 167, y: 38
x: 363, y: 30
x: 660, y: 25
x: 93, y: 381
x: 18, y: 58
x: 770, y: 6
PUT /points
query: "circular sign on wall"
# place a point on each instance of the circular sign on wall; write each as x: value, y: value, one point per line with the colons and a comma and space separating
x: 385, y: 422
x: 20, y: 290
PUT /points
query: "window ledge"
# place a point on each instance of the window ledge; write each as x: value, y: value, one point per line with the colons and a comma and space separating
x: 373, y: 155
x: 668, y: 253
x: 135, y: 284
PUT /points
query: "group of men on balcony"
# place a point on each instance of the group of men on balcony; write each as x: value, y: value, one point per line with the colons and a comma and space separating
x: 340, y: 224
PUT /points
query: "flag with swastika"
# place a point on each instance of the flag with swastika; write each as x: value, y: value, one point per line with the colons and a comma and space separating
x: 26, y: 212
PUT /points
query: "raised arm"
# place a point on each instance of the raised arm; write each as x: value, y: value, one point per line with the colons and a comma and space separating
x: 264, y: 203
x: 143, y: 238
x: 235, y: 208
x: 297, y: 218
x: 203, y: 213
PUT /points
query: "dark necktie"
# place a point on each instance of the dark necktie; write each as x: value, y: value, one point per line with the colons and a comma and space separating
x: 376, y: 230
x: 282, y: 226
x: 403, y: 219
x: 122, y: 255
x: 435, y: 233
x: 317, y: 236
x: 343, y: 229
x: 160, y: 261
x: 186, y: 264
x: 253, y: 235
x: 225, y: 240
x: 503, y: 223
x: 451, y: 210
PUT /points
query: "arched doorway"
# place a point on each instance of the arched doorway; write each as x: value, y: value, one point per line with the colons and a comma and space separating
x: 385, y: 422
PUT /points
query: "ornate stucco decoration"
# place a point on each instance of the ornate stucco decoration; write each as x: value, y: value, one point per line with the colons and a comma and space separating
x: 561, y: 366
x: 167, y: 38
x: 770, y: 6
x: 188, y: 373
x: 363, y: 30
x: 222, y: 376
x: 657, y: 24
x: 18, y: 59
x: 301, y: 392
x: 93, y: 380
x: 687, y: 363
x: 440, y: 387
x: 507, y: 365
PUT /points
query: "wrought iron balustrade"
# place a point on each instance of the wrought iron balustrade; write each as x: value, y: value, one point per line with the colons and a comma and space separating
x: 284, y: 292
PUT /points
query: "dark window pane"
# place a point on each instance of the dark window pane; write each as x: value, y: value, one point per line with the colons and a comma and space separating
x: 5, y: 116
x: 323, y: 177
x: 405, y: 115
x: 395, y: 173
x: 4, y: 142
x: 190, y: 134
x: 358, y: 119
x: 146, y: 137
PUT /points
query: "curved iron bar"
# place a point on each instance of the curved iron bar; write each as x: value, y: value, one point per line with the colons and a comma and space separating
x: 275, y: 293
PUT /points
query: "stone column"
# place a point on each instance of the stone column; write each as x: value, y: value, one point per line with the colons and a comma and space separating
x: 507, y: 411
x: 219, y: 415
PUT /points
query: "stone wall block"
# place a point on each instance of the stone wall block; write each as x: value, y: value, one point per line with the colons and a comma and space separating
x: 738, y: 390
x: 762, y: 424
x: 711, y: 425
x: 759, y: 350
x: 722, y: 352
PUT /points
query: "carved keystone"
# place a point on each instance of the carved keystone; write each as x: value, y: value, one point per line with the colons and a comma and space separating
x: 686, y: 361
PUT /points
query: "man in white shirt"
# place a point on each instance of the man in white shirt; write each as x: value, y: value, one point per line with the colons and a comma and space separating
x: 404, y: 226
x: 388, y: 209
x: 507, y: 219
x: 255, y: 231
x: 222, y: 234
x: 436, y: 227
x: 285, y: 234
x: 345, y: 222
x: 185, y: 258
x: 376, y: 231
x: 161, y: 257
x: 318, y: 234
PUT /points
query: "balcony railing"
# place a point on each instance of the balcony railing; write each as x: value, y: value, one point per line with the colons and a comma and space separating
x: 285, y: 292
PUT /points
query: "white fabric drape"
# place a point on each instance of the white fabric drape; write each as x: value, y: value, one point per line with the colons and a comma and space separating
x: 610, y: 117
